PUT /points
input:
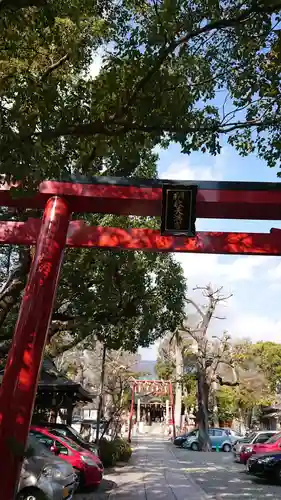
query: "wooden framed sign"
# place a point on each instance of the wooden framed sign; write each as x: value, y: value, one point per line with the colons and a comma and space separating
x: 178, y: 210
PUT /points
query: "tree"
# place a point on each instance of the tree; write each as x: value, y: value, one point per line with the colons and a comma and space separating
x: 267, y: 356
x: 170, y: 366
x: 108, y: 373
x: 177, y: 340
x: 124, y: 299
x: 163, y: 65
x: 204, y: 356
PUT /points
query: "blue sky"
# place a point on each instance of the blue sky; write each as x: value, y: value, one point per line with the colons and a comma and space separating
x: 255, y: 282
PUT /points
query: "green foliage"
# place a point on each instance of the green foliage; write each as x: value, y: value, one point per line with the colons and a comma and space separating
x: 227, y: 401
x: 190, y: 387
x: 164, y: 369
x: 111, y: 452
x: 267, y: 355
x: 164, y: 64
x: 124, y: 449
x: 124, y: 299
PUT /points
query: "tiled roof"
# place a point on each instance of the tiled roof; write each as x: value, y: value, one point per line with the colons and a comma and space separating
x: 51, y: 378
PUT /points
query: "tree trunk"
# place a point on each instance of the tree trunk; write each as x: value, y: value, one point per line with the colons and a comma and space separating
x: 11, y: 290
x: 179, y: 374
x: 101, y: 392
x: 203, y: 416
x: 215, y: 404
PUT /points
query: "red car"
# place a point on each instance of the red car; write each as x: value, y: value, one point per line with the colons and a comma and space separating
x: 87, y: 465
x: 273, y: 444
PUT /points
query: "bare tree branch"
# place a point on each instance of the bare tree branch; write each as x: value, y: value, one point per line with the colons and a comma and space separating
x: 196, y: 306
x: 54, y: 66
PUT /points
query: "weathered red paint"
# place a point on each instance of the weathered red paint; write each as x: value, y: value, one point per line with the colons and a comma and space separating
x: 82, y: 235
x: 19, y: 385
x: 131, y: 414
x: 217, y: 200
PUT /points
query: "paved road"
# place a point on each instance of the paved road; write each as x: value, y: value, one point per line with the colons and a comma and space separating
x: 221, y: 478
x: 160, y: 471
x: 153, y: 474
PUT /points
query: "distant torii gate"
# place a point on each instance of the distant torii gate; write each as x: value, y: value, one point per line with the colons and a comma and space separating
x: 218, y: 200
x: 153, y: 388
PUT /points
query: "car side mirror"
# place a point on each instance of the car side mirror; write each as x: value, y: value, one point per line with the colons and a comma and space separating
x: 54, y: 449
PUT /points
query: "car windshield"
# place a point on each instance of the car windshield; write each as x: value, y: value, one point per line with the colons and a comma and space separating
x: 249, y: 438
x: 36, y: 448
x: 274, y: 438
x: 71, y: 443
x: 57, y: 431
x: 74, y: 432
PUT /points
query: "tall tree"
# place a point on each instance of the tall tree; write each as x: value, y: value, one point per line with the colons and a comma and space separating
x: 124, y: 299
x: 205, y: 357
x: 164, y: 65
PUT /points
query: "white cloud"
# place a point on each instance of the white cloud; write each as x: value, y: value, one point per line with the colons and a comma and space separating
x: 210, y: 267
x: 184, y: 170
x: 257, y: 327
x: 274, y: 273
x: 255, y: 281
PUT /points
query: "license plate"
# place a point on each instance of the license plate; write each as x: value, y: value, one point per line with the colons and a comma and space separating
x: 65, y: 492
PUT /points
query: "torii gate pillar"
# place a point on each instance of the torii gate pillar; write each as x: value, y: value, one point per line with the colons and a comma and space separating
x: 18, y: 389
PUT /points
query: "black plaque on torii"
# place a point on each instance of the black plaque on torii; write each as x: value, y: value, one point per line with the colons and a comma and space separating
x: 178, y: 210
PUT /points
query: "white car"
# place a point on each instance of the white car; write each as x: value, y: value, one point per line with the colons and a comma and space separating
x: 252, y: 438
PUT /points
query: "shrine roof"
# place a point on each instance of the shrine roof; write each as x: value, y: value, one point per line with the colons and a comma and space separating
x: 53, y: 380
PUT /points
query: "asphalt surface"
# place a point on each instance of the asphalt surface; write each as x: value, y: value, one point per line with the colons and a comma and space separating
x: 221, y: 478
x: 160, y: 471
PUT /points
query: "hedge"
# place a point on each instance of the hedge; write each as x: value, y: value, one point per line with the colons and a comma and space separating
x: 111, y: 452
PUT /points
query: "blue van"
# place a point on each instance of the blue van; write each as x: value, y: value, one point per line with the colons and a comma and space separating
x: 220, y: 438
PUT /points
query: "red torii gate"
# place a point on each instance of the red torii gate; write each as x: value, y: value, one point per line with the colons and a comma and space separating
x: 155, y: 388
x: 219, y: 200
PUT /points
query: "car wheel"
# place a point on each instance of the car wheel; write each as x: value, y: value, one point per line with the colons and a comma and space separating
x: 31, y: 494
x: 278, y: 475
x: 194, y: 447
x: 80, y: 478
x: 226, y: 447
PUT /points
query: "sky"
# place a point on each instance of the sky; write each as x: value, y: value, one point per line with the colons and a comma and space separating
x: 254, y: 310
x: 254, y: 281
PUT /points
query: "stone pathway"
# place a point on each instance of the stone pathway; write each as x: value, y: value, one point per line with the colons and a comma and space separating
x: 153, y: 474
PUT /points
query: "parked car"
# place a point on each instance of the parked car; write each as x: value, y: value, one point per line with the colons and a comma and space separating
x: 69, y: 432
x: 43, y: 473
x: 179, y: 440
x: 89, y: 427
x: 272, y: 444
x: 252, y: 438
x: 87, y: 465
x: 220, y: 438
x: 267, y: 466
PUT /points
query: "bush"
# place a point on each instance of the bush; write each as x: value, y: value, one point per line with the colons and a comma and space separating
x: 124, y: 450
x: 107, y: 453
x: 114, y: 451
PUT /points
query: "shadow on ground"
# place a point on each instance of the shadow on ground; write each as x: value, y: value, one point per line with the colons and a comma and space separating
x: 101, y: 493
x: 159, y: 471
x: 221, y: 478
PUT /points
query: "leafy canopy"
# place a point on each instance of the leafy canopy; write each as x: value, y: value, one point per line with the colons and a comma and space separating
x: 183, y: 71
x: 123, y: 299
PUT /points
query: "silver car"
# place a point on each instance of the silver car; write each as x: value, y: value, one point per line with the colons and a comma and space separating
x: 45, y: 476
x: 252, y: 438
